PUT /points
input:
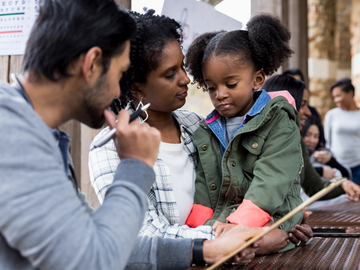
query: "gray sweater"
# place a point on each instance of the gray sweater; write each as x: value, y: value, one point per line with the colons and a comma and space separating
x: 44, y: 224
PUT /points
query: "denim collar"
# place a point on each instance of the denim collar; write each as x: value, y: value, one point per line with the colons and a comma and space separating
x: 217, y: 123
x: 63, y: 141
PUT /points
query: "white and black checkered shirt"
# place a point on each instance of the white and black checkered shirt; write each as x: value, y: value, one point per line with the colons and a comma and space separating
x: 162, y: 217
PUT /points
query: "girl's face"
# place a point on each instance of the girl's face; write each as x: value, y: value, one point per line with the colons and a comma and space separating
x: 166, y: 87
x: 231, y: 85
x: 341, y: 98
x: 312, y: 137
x: 304, y: 109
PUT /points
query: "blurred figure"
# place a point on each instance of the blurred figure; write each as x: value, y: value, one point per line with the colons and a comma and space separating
x: 310, y: 180
x: 342, y: 127
x: 297, y: 74
x: 321, y: 158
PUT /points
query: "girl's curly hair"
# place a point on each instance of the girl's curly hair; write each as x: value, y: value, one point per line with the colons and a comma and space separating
x: 153, y: 33
x: 264, y: 46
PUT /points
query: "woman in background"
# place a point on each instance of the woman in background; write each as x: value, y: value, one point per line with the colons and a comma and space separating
x: 342, y: 127
x: 321, y: 158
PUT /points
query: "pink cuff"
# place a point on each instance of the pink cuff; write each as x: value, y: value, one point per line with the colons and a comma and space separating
x: 249, y: 214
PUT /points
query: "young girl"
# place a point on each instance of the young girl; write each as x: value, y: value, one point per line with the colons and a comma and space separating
x: 249, y: 146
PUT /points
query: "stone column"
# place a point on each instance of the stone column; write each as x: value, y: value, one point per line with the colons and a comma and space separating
x: 293, y: 14
x: 355, y: 48
x: 322, y: 64
x: 342, y: 39
x: 276, y: 7
x: 298, y: 26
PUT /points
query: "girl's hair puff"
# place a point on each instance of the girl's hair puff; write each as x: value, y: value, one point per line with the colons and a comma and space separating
x: 263, y: 46
x: 153, y: 33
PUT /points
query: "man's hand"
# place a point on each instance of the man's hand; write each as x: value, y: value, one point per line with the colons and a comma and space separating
x: 134, y: 140
x: 351, y: 189
x: 301, y: 234
x: 215, y: 250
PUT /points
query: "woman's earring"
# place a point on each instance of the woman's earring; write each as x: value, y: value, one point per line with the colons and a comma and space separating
x: 140, y: 105
x: 255, y: 88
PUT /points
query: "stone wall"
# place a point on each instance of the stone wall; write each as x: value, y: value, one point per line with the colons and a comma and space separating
x: 329, y: 48
x: 355, y: 48
x: 322, y: 65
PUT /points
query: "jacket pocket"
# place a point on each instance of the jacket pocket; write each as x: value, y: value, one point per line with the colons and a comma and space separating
x: 253, y: 145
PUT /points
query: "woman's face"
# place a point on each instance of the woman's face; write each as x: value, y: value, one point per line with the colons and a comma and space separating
x: 166, y: 87
x: 342, y: 99
x: 312, y: 137
x: 304, y: 109
x: 230, y: 85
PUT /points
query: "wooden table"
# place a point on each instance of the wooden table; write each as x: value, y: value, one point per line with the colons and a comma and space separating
x: 336, y: 216
x: 332, y: 253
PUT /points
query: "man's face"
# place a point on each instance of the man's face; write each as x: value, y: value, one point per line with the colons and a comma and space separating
x: 99, y: 96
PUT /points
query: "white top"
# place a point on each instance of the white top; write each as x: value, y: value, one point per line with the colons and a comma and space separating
x: 342, y: 134
x: 182, y: 174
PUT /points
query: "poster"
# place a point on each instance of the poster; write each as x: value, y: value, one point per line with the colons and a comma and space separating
x: 196, y: 18
x: 16, y: 20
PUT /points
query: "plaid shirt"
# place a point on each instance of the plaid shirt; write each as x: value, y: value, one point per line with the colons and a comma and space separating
x: 162, y: 217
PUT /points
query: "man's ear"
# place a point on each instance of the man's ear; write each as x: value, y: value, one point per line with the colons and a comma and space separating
x: 136, y: 92
x: 92, y: 63
x: 259, y: 79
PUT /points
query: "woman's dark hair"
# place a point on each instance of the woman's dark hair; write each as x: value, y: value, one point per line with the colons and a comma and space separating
x: 345, y: 85
x: 66, y: 29
x: 263, y: 46
x: 294, y: 72
x: 153, y: 33
x: 284, y: 82
x: 311, y: 120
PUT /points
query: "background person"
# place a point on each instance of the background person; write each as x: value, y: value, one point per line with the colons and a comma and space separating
x: 321, y: 158
x: 342, y: 127
x: 311, y: 182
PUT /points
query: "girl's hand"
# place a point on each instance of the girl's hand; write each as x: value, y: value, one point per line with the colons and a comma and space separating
x: 220, y: 228
x: 301, y: 234
x: 322, y: 157
x: 272, y: 242
x: 328, y: 173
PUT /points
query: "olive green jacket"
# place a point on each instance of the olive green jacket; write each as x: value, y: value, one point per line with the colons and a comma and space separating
x: 261, y: 163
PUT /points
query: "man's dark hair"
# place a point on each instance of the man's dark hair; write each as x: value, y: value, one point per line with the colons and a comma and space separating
x: 263, y: 46
x: 67, y: 28
x: 345, y: 85
x: 284, y: 82
x: 153, y: 33
x: 294, y: 72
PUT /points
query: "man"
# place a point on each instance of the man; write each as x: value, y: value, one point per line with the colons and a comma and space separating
x: 75, y: 57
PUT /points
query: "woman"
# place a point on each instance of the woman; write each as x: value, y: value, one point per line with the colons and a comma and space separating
x: 342, y: 127
x: 310, y: 180
x: 157, y: 76
x: 321, y: 158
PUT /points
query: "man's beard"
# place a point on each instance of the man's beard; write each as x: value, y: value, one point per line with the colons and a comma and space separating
x: 94, y: 104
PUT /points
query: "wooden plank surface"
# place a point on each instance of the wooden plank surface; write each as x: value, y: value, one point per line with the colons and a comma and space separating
x: 15, y: 64
x: 4, y: 67
x: 319, y: 254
